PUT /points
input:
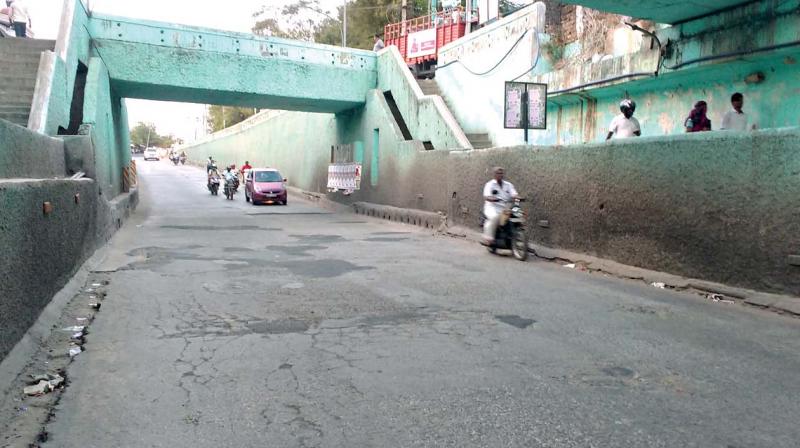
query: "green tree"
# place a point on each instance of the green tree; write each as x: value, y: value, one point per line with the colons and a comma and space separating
x: 145, y: 134
x: 221, y: 117
x: 364, y: 18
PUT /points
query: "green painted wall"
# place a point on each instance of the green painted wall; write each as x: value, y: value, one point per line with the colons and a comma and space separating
x: 664, y: 102
x: 105, y: 121
x: 162, y: 61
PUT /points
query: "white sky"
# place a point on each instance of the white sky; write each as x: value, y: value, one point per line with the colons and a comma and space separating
x: 181, y: 119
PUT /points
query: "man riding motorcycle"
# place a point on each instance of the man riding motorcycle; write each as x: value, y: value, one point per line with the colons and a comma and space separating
x: 496, y: 193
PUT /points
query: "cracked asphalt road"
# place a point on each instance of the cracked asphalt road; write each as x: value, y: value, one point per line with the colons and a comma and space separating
x: 228, y: 325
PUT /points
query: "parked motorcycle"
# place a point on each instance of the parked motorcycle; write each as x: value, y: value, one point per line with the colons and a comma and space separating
x: 213, y: 185
x: 512, y: 232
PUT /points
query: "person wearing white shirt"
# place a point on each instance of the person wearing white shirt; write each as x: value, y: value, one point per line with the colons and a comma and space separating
x: 496, y: 193
x: 735, y: 119
x: 625, y: 125
x: 20, y: 17
x: 379, y: 45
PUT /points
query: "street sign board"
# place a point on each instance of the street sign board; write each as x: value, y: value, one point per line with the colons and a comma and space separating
x: 525, y: 105
x: 421, y: 43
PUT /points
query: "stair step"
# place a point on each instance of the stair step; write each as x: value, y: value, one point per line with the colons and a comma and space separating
x: 16, y: 95
x: 38, y: 44
x: 21, y: 72
x: 18, y: 81
x: 20, y: 119
x: 6, y: 109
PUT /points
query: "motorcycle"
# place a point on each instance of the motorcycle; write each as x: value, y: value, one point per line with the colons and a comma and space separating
x: 512, y: 233
x: 213, y: 184
x: 229, y: 188
x: 183, y: 159
x: 174, y: 159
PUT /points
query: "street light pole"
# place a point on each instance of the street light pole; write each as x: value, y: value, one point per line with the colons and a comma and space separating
x: 344, y: 24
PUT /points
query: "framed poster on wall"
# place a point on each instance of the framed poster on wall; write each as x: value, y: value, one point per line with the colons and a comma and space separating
x: 525, y: 105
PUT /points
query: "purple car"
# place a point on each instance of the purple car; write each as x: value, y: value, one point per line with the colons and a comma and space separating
x: 265, y: 185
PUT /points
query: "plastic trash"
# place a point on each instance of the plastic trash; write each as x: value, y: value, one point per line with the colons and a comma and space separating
x: 56, y: 381
x: 75, y: 328
x: 77, y: 336
x: 94, y: 306
x: 659, y: 285
x: 719, y: 298
x: 41, y: 388
x: 75, y: 351
x: 81, y: 319
x: 43, y: 384
x: 97, y: 284
x: 571, y: 265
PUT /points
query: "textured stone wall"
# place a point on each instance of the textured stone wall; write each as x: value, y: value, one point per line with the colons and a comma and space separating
x: 40, y: 251
x: 24, y: 154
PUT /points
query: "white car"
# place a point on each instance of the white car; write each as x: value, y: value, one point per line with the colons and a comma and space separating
x: 151, y: 154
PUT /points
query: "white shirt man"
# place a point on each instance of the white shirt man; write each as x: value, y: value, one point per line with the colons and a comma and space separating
x: 20, y: 17
x: 624, y: 127
x: 379, y: 45
x: 735, y: 119
x: 496, y: 193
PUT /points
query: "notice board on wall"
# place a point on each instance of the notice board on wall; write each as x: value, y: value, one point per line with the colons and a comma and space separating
x: 525, y: 105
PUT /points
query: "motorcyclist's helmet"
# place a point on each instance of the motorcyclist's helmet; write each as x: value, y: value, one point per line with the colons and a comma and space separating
x: 627, y: 105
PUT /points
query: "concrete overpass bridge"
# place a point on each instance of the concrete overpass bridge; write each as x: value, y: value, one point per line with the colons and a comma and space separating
x: 162, y: 61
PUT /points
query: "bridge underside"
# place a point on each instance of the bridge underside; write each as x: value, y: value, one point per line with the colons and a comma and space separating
x: 197, y: 76
x: 662, y: 11
x: 163, y: 61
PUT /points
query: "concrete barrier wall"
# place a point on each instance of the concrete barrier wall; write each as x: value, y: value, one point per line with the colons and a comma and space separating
x: 24, y: 154
x: 716, y: 206
x: 40, y: 251
x: 721, y: 207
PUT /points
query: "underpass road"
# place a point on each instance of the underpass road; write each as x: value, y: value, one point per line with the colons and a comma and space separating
x: 230, y: 325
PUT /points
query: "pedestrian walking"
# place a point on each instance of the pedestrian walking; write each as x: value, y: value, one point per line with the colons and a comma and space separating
x: 625, y: 125
x: 735, y: 119
x: 698, y: 121
x: 20, y: 17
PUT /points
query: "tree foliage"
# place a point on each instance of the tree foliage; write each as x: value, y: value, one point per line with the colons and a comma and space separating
x: 145, y: 134
x: 306, y: 20
x: 221, y: 117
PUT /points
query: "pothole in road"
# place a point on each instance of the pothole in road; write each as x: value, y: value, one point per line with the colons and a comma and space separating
x: 516, y: 321
x: 384, y: 239
x: 296, y: 251
x: 237, y: 249
x: 618, y: 372
x: 280, y: 326
x: 322, y: 268
x: 316, y: 239
x: 218, y: 228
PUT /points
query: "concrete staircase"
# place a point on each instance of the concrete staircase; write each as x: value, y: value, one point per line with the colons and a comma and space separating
x: 19, y: 64
x: 430, y: 87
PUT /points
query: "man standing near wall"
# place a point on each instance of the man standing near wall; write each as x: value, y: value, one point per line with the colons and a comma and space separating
x: 735, y: 119
x: 20, y: 17
x: 624, y: 125
x: 379, y: 45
